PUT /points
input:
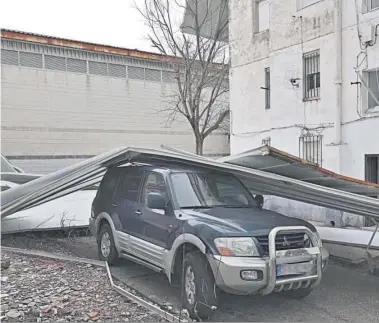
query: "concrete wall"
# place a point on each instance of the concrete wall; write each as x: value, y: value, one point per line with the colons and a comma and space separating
x: 293, y: 32
x: 45, y: 114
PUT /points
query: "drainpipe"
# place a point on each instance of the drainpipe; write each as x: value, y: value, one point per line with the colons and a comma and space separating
x: 338, y: 71
x: 338, y: 87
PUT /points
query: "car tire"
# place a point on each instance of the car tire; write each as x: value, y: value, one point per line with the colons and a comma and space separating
x: 298, y: 293
x: 199, y: 292
x: 106, y: 247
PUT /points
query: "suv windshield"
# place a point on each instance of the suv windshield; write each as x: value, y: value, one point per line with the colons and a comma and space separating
x: 210, y: 189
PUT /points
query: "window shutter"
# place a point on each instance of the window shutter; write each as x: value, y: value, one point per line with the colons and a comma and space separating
x: 152, y: 75
x: 56, y: 63
x: 136, y: 73
x: 117, y: 70
x: 9, y: 57
x: 76, y: 65
x: 31, y: 60
x: 97, y: 68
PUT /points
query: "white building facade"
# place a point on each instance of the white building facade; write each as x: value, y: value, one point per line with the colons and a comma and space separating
x: 304, y: 78
x: 303, y: 81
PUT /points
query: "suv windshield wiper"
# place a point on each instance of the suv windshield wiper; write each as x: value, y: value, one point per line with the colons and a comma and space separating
x: 197, y: 207
x: 237, y: 206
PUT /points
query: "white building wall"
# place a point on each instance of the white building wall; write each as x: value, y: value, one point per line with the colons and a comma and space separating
x: 291, y: 33
x: 51, y: 119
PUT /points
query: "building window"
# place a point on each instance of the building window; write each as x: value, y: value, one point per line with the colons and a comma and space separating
x: 373, y: 85
x: 266, y: 141
x: 310, y: 148
x: 311, y: 71
x: 267, y: 88
x: 305, y: 3
x: 373, y: 4
x: 263, y: 15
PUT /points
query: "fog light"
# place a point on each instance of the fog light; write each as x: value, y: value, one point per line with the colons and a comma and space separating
x: 249, y: 274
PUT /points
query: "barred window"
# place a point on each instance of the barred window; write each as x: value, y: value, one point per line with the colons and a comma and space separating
x: 266, y: 141
x: 310, y: 148
x: 373, y: 85
x: 311, y: 68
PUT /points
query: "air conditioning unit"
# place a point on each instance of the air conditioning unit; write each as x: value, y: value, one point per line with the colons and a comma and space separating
x: 368, y: 31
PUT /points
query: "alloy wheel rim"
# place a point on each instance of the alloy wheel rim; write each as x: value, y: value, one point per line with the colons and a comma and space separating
x: 105, y: 245
x: 190, y: 287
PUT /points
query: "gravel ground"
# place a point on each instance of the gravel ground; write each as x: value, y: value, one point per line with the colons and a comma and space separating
x: 59, y: 242
x: 42, y: 290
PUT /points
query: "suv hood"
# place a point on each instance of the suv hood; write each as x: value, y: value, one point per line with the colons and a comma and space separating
x: 243, y: 220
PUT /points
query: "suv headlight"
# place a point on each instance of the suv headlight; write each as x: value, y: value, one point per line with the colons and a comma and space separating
x: 237, y: 247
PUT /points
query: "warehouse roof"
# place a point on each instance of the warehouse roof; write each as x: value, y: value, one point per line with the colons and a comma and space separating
x: 74, y: 44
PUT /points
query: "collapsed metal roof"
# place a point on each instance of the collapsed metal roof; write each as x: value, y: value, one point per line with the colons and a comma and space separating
x: 85, y: 173
x: 272, y: 160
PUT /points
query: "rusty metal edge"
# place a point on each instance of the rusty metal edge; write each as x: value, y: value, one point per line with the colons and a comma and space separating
x: 292, y: 159
x: 162, y: 313
x: 320, y: 169
x: 63, y: 42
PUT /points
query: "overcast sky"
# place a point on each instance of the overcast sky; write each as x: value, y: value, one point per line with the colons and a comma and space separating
x: 111, y: 22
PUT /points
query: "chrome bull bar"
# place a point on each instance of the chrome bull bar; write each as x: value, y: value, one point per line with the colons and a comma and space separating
x: 285, y: 257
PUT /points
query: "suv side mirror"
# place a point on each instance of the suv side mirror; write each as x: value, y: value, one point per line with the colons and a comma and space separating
x: 259, y: 200
x: 156, y: 201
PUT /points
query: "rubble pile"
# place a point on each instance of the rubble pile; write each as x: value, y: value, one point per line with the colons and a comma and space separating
x: 42, y: 290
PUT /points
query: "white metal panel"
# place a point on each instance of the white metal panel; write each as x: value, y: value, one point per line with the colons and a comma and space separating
x: 76, y: 177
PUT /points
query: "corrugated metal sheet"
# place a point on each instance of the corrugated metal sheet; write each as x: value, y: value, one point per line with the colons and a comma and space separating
x: 275, y: 161
x: 56, y: 41
x: 78, y: 176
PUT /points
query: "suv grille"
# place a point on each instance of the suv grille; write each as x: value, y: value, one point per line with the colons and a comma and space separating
x: 283, y: 241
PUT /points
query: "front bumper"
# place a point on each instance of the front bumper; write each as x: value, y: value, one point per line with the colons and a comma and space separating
x: 227, y: 270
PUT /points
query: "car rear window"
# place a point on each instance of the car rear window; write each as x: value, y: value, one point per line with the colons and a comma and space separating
x: 129, y: 186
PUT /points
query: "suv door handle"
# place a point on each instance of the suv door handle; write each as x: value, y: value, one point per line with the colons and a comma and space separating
x: 138, y: 212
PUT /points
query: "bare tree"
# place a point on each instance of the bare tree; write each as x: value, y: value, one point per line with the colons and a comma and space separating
x: 199, y: 63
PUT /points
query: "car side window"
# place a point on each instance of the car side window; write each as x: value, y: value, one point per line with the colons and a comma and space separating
x: 154, y: 184
x: 108, y: 184
x: 129, y: 186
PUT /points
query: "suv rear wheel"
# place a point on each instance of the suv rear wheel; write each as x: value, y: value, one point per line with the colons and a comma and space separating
x: 199, y: 292
x: 106, y: 247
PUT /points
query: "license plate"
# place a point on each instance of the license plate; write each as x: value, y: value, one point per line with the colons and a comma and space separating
x: 294, y: 269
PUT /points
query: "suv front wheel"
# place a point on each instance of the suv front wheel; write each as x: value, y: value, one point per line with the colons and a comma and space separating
x: 199, y: 293
x: 106, y: 247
